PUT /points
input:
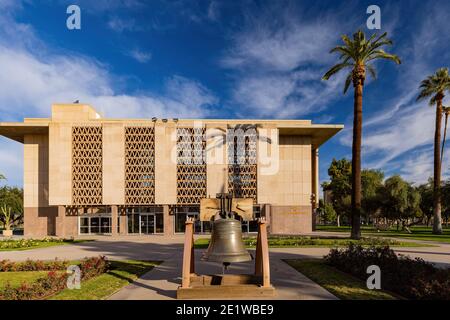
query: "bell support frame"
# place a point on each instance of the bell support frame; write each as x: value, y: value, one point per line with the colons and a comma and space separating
x: 195, y: 286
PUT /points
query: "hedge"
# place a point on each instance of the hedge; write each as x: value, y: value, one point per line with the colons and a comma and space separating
x: 409, y: 278
x: 54, y: 281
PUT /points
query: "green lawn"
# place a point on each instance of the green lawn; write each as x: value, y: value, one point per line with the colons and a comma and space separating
x: 27, y: 244
x: 101, y: 287
x: 308, y: 242
x: 340, y: 284
x: 418, y: 233
x: 15, y: 279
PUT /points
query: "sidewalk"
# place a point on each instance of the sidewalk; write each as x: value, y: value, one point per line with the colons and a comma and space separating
x: 162, y: 282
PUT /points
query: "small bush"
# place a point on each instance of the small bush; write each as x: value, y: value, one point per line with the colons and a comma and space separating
x: 33, y: 265
x: 29, y: 243
x: 54, y: 281
x: 293, y: 241
x: 410, y: 278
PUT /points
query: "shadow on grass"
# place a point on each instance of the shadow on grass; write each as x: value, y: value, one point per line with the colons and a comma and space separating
x: 342, y: 285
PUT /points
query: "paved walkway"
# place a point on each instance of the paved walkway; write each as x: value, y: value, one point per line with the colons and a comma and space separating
x: 163, y: 280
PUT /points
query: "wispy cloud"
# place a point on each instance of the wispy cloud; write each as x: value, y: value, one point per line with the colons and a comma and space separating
x: 400, y: 135
x: 140, y: 56
x: 121, y: 25
x: 33, y: 79
x: 213, y: 10
x: 279, y: 62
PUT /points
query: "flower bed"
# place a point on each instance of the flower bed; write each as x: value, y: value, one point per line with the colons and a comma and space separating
x: 289, y: 241
x: 33, y: 265
x: 54, y: 281
x: 28, y: 243
x: 410, y: 278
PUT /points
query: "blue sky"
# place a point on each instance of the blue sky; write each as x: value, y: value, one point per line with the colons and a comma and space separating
x: 225, y: 59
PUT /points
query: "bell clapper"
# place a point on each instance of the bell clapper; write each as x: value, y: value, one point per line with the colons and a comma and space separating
x: 225, y: 266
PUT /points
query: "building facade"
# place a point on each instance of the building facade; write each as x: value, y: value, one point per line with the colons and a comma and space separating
x: 84, y: 174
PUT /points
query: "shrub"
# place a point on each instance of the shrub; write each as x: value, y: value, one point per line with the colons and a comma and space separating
x: 293, y: 241
x: 410, y: 278
x: 54, y: 281
x: 33, y: 265
x: 29, y: 243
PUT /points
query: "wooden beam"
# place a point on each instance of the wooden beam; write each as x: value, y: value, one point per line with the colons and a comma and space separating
x: 188, y: 254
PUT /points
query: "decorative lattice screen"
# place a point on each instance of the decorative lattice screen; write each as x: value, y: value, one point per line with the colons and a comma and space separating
x: 242, y: 162
x: 139, y: 165
x: 87, y: 165
x: 191, y: 165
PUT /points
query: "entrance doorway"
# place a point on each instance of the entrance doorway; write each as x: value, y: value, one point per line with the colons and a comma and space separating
x: 182, y: 213
x: 147, y: 224
x: 145, y: 220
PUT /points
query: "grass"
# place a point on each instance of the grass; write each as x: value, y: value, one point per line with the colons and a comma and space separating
x: 342, y: 285
x: 418, y: 233
x: 27, y: 244
x: 309, y: 242
x: 101, y: 287
x: 15, y: 279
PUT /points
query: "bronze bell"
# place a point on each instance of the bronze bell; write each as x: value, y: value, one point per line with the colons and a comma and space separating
x: 226, y: 244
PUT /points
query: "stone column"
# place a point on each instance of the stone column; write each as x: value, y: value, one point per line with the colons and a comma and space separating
x: 114, y: 215
x: 123, y: 223
x: 60, y: 222
x: 315, y: 184
x: 268, y: 216
x: 168, y: 221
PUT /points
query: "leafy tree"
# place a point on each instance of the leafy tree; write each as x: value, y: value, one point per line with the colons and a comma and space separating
x: 400, y: 201
x: 435, y: 86
x: 426, y: 203
x: 327, y: 212
x: 446, y: 201
x: 357, y: 54
x: 340, y: 186
x: 372, y: 181
x: 2, y: 177
x: 11, y: 200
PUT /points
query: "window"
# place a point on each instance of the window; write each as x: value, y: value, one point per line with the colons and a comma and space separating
x: 145, y: 220
x: 182, y: 213
x: 95, y: 224
x: 84, y: 225
x: 252, y: 226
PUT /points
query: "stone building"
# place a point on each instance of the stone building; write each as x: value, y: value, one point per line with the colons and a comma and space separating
x: 85, y: 174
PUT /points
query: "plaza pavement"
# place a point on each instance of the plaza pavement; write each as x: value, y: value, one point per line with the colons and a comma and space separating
x: 163, y: 280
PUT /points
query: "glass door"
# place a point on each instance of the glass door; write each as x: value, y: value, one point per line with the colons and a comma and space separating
x: 147, y: 224
x: 133, y: 223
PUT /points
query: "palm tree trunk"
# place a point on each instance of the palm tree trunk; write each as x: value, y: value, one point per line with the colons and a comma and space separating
x: 356, y: 160
x: 445, y: 135
x: 437, y: 221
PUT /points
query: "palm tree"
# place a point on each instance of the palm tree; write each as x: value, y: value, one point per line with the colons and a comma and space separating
x: 446, y: 111
x: 435, y: 86
x: 356, y: 54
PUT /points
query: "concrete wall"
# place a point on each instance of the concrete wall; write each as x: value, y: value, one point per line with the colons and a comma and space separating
x: 285, y: 183
x: 165, y: 164
x: 216, y: 155
x: 60, y: 162
x: 291, y: 183
x: 113, y: 163
x: 39, y: 218
x: 290, y: 219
